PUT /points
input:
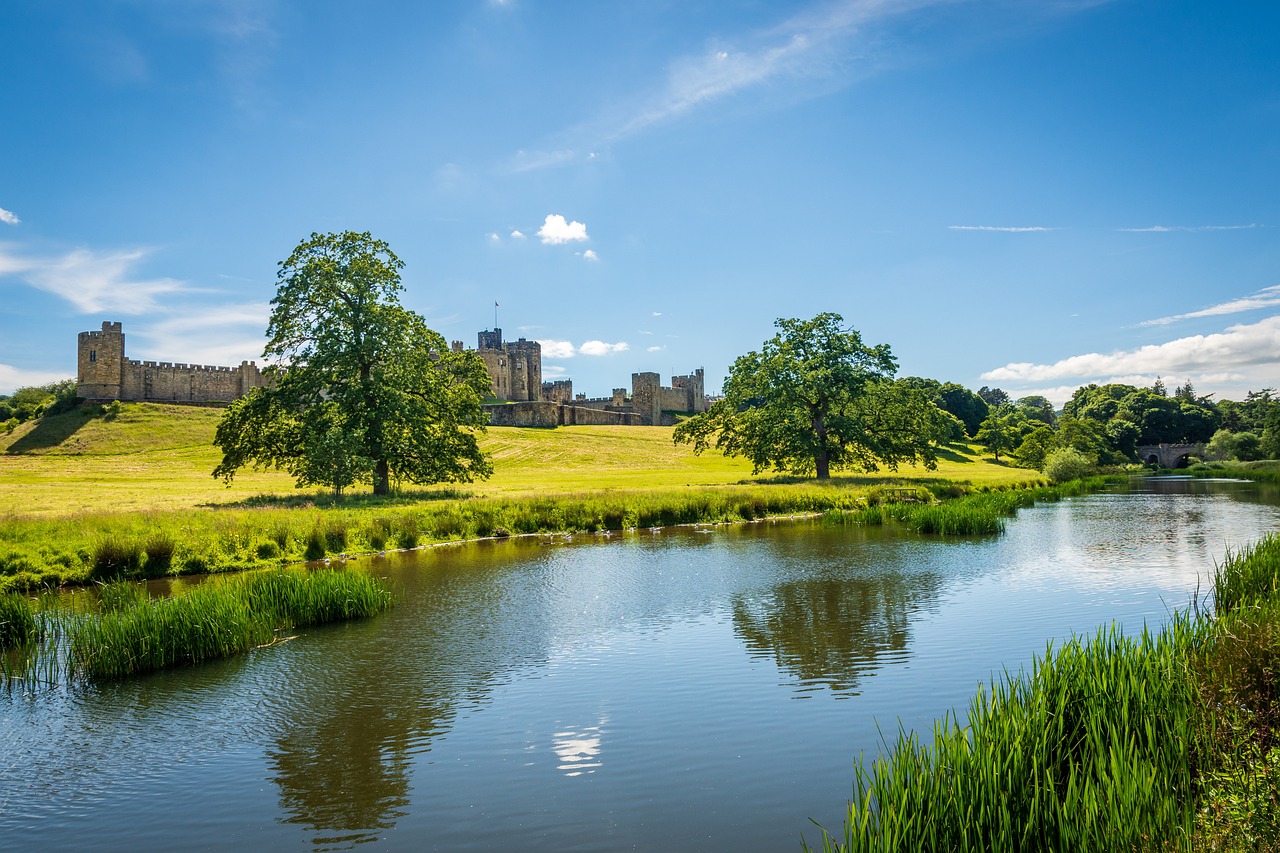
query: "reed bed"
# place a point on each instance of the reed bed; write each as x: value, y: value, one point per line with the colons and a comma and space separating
x: 215, y: 619
x: 1169, y: 740
x: 17, y: 621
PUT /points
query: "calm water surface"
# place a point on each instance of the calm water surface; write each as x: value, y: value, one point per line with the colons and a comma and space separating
x: 683, y: 690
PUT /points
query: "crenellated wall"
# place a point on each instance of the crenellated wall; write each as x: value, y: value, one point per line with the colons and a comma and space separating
x: 515, y: 367
x: 104, y: 373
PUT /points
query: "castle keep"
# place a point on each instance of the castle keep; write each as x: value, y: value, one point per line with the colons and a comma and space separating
x: 515, y: 377
x: 103, y: 373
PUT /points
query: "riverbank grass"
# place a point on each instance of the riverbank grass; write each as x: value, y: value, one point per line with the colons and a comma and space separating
x: 131, y: 633
x: 1164, y: 741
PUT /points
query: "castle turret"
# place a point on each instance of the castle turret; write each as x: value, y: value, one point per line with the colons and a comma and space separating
x: 100, y: 363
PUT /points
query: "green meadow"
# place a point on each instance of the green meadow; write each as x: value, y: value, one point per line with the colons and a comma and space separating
x: 126, y: 491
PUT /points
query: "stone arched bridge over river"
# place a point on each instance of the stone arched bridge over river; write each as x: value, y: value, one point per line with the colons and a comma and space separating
x: 1169, y: 455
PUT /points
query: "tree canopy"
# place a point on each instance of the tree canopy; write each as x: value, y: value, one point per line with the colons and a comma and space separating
x: 814, y: 398
x: 360, y: 390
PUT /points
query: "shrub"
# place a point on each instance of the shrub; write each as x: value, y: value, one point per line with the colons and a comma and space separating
x: 1067, y: 463
x: 115, y: 557
x: 159, y: 550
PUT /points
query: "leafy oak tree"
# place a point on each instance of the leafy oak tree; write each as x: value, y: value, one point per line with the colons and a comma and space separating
x: 360, y: 389
x: 815, y: 399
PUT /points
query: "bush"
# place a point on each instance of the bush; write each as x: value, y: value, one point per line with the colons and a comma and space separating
x: 115, y: 557
x: 1067, y: 463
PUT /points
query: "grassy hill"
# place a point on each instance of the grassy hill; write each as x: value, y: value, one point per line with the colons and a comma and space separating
x: 142, y: 456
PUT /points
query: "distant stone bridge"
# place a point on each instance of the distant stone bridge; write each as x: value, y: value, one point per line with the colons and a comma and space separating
x: 1169, y: 455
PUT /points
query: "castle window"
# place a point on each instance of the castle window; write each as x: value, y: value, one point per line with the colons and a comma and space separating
x: 93, y: 355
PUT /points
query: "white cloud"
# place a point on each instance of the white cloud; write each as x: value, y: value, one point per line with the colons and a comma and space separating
x: 1164, y: 229
x: 91, y: 281
x: 225, y: 335
x: 1009, y: 229
x: 1241, y: 355
x: 557, y: 349
x: 590, y: 255
x: 493, y: 237
x: 8, y: 216
x: 655, y: 313
x: 1266, y: 298
x: 602, y: 348
x: 658, y: 348
x: 12, y: 378
x: 517, y: 234
x: 555, y: 230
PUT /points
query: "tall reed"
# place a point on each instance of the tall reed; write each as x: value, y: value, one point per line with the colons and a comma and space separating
x: 17, y: 621
x: 215, y: 619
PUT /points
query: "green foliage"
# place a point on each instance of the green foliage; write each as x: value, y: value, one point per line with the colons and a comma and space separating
x: 816, y: 399
x: 17, y: 621
x: 964, y: 404
x: 37, y: 401
x: 1067, y: 463
x: 365, y: 392
x: 1003, y: 429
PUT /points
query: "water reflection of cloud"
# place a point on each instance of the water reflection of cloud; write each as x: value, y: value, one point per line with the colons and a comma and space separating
x: 578, y: 749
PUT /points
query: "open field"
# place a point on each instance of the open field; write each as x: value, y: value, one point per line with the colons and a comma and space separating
x: 150, y: 458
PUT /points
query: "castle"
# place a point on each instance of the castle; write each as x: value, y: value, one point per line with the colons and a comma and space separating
x: 515, y: 376
x: 103, y: 373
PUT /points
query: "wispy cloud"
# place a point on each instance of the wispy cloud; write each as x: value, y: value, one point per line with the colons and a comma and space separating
x: 12, y: 378
x: 225, y: 335
x: 1268, y: 297
x: 1233, y: 351
x: 590, y: 255
x: 92, y: 281
x: 817, y: 43
x: 1161, y: 229
x: 9, y: 217
x: 556, y: 230
x: 1010, y: 229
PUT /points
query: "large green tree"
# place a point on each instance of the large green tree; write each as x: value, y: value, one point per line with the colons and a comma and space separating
x: 360, y: 389
x: 814, y: 398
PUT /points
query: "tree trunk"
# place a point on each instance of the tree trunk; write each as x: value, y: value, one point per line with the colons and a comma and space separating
x: 822, y: 459
x: 381, y: 478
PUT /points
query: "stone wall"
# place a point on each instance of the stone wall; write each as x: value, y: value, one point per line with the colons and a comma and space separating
x: 559, y: 391
x: 548, y: 414
x: 104, y: 373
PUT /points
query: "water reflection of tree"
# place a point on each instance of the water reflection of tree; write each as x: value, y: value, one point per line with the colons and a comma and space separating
x: 832, y: 630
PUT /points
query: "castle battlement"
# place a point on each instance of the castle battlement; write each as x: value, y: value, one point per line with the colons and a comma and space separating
x: 104, y: 373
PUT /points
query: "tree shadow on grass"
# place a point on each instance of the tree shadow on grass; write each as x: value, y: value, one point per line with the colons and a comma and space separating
x: 53, y: 431
x: 327, y: 500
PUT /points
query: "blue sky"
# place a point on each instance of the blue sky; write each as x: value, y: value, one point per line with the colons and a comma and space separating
x: 1030, y: 195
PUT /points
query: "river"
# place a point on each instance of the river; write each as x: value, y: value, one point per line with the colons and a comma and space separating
x: 688, y: 689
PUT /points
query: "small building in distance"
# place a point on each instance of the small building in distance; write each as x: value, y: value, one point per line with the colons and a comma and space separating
x: 104, y: 373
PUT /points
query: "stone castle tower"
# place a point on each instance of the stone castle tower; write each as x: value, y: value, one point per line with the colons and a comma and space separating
x: 515, y: 367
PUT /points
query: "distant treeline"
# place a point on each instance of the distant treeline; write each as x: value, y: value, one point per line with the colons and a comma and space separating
x: 1104, y: 425
x: 36, y: 401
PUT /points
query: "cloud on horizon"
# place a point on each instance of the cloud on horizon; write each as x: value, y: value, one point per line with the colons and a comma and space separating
x: 1241, y: 356
x: 12, y: 378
